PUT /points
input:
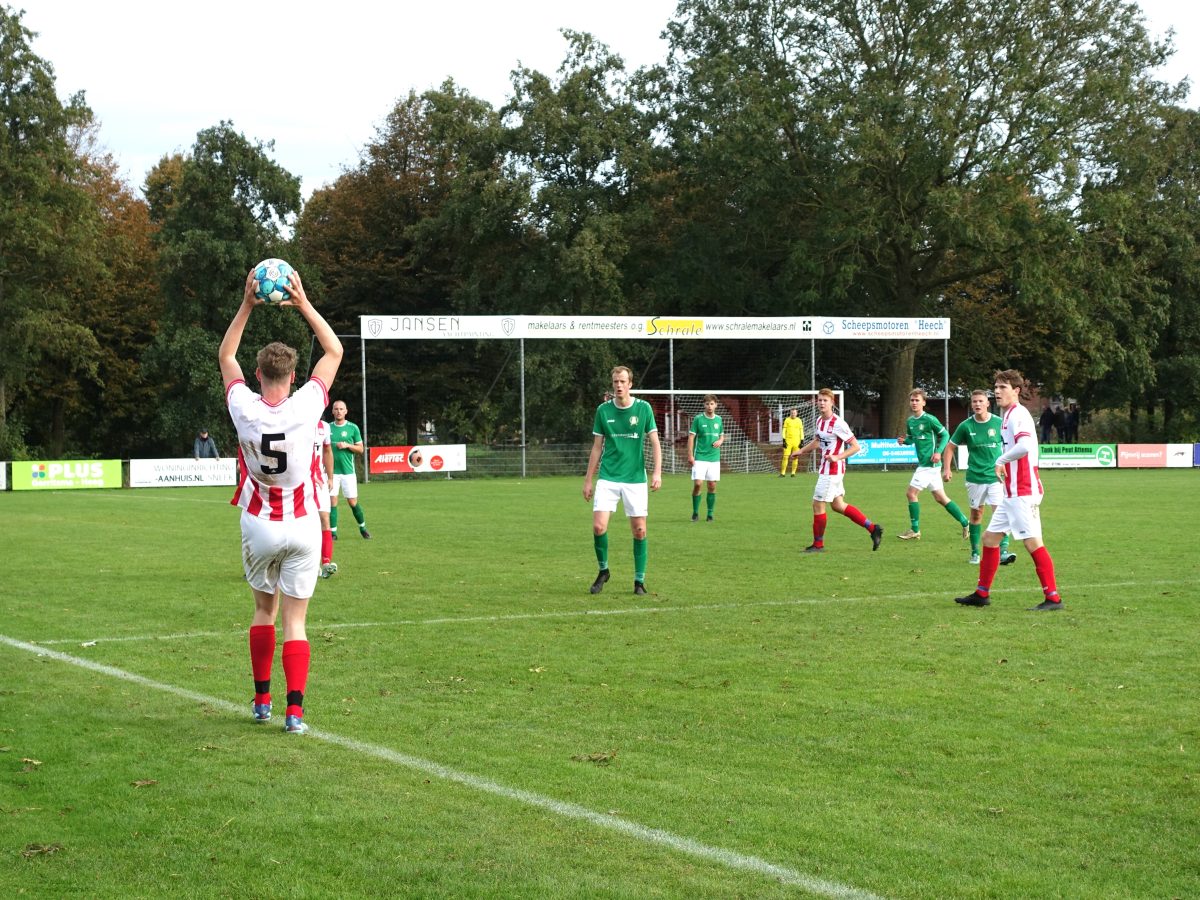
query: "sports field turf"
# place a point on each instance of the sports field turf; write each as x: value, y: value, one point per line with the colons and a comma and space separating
x: 762, y: 724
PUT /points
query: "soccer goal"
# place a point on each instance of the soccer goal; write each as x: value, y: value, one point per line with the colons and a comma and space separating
x: 751, y: 420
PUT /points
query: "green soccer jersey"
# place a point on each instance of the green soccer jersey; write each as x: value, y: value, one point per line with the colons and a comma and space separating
x: 624, y: 432
x: 706, y: 431
x: 927, y: 435
x: 343, y: 460
x: 984, y: 446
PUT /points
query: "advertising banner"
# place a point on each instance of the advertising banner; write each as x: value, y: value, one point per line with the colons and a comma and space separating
x: 1179, y: 456
x: 1142, y: 456
x: 422, y: 458
x: 649, y: 327
x: 66, y: 474
x: 1196, y: 454
x: 182, y: 472
x: 3, y: 476
x: 884, y: 452
x: 1077, y: 456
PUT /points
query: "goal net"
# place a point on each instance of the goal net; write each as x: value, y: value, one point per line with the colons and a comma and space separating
x: 752, y: 422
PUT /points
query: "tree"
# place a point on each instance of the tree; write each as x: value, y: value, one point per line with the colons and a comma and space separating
x: 47, y: 228
x: 912, y: 146
x: 222, y: 208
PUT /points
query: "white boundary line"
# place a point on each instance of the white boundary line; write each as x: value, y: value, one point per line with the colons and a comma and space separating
x: 706, y: 852
x: 581, y: 613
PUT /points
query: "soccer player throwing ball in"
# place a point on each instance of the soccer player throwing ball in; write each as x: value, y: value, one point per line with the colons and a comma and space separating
x: 1019, y: 510
x: 704, y: 455
x: 281, y: 526
x: 980, y: 434
x: 621, y: 428
x: 837, y: 443
x: 928, y: 436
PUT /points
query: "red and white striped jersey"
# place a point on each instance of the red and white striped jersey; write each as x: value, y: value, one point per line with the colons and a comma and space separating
x: 1020, y: 476
x: 323, y: 440
x: 834, y: 434
x: 276, y: 455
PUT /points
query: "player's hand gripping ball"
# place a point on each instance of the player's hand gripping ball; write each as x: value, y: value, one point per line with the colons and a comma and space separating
x: 272, y: 280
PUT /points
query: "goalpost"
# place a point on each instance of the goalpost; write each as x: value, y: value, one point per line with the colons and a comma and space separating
x: 752, y: 422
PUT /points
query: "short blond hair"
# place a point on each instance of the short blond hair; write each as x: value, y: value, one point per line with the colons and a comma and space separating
x: 276, y: 361
x: 827, y: 392
x: 625, y: 369
x: 918, y: 392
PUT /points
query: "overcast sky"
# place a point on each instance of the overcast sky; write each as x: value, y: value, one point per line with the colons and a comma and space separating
x: 319, y: 77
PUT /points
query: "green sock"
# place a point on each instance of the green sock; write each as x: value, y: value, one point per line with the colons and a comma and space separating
x: 976, y: 533
x: 914, y: 515
x: 600, y: 542
x: 953, y: 509
x: 333, y: 519
x: 359, y: 516
x: 712, y: 503
x: 639, y: 559
x: 695, y: 504
x: 1004, y: 544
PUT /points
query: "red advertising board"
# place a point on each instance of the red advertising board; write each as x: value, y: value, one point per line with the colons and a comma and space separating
x: 421, y: 458
x: 1142, y: 456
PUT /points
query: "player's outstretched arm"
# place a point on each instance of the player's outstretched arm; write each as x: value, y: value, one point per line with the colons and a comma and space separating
x: 327, y: 366
x: 656, y: 456
x: 227, y: 352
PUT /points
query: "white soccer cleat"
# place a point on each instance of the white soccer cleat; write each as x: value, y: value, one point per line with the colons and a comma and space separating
x: 328, y: 569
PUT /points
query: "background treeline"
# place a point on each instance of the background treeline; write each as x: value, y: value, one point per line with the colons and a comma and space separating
x: 1012, y: 164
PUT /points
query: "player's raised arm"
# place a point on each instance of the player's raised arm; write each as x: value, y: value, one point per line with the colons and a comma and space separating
x: 327, y: 366
x: 231, y: 371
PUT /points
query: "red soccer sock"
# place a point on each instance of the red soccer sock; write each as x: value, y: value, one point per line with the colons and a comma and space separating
x: 988, y: 565
x: 1045, y: 573
x: 326, y: 547
x: 855, y: 516
x: 262, y: 652
x: 295, y: 670
x: 819, y: 529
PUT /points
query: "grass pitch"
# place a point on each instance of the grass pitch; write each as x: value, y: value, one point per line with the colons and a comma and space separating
x: 762, y: 724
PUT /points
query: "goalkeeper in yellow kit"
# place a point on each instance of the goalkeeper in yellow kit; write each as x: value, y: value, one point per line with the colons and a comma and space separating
x: 793, y: 437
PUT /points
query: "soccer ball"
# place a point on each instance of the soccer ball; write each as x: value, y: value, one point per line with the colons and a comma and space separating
x: 272, y: 280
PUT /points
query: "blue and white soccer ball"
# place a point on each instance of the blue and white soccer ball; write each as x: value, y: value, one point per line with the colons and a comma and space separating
x: 272, y: 279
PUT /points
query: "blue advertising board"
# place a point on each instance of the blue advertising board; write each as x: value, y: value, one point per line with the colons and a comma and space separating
x: 884, y: 452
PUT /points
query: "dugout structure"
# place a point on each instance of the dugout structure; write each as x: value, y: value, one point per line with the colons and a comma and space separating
x: 668, y: 329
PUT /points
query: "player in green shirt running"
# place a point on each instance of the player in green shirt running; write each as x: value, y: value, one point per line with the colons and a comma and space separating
x: 346, y: 441
x: 929, y: 437
x: 980, y: 434
x: 621, y: 429
x: 704, y: 455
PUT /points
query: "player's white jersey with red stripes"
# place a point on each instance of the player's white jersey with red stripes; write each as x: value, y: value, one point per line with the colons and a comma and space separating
x: 1021, y: 477
x: 323, y: 441
x: 834, y: 434
x: 276, y: 450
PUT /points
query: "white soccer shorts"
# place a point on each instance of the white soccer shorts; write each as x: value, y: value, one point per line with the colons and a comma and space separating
x: 927, y: 478
x: 706, y: 471
x: 345, y: 484
x: 829, y: 488
x: 979, y: 495
x: 283, y: 556
x: 635, y: 497
x: 1020, y: 515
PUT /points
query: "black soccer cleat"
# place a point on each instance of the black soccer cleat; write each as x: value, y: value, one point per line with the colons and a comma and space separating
x: 813, y: 548
x: 973, y: 599
x: 876, y: 537
x: 639, y: 587
x: 366, y: 534
x: 598, y: 584
x: 1046, y: 605
x: 1007, y: 558
x: 695, y: 517
x: 709, y: 519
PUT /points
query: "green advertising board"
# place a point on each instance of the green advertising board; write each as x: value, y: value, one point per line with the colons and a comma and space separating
x: 1077, y: 456
x: 65, y: 474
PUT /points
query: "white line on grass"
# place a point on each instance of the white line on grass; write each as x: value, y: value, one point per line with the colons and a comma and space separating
x: 729, y: 858
x: 579, y: 613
